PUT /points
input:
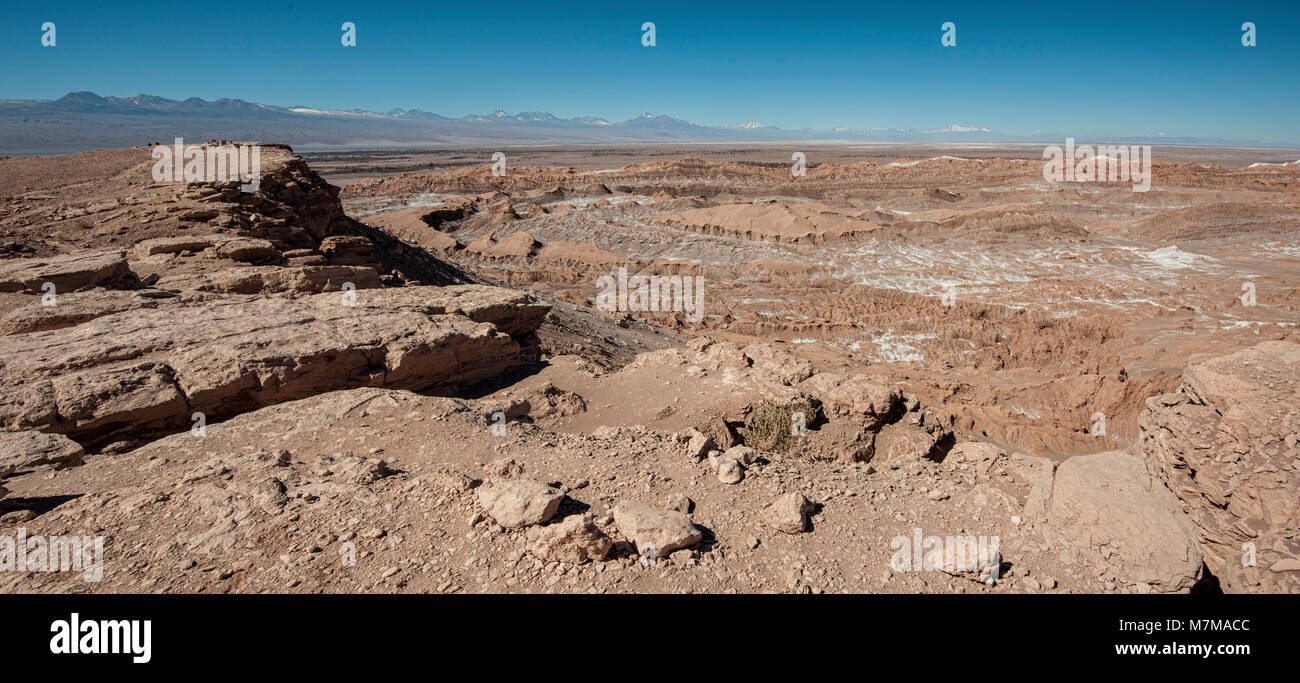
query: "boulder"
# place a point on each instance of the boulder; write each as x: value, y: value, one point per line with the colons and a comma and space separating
x: 728, y: 469
x: 519, y: 502
x: 576, y: 539
x: 978, y: 455
x: 698, y: 445
x: 1109, y: 506
x: 741, y: 454
x: 721, y: 432
x: 777, y: 365
x: 547, y: 400
x: 347, y: 250
x: 647, y: 526
x: 249, y: 250
x: 901, y: 442
x: 868, y: 400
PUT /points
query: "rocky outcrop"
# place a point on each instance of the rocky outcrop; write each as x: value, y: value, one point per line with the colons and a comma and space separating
x: 869, y: 420
x: 1227, y: 443
x: 148, y: 370
x: 797, y: 223
x: 513, y: 312
x: 294, y: 280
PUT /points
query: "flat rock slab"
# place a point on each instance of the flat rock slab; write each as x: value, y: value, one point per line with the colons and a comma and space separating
x: 68, y: 272
x: 21, y: 450
x: 514, y: 312
x: 147, y: 370
x: 1110, y: 505
x: 78, y: 307
x: 271, y: 279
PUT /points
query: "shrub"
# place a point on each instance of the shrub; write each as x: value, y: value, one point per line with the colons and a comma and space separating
x: 768, y: 428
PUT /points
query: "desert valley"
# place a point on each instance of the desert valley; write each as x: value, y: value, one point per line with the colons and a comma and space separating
x: 413, y: 384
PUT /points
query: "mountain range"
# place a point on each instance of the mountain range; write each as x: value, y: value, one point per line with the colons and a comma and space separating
x: 83, y: 120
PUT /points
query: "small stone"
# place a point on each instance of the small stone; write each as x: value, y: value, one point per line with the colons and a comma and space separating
x: 699, y: 445
x: 788, y: 513
x: 729, y: 471
x: 741, y: 454
x: 678, y: 502
x: 503, y: 468
x: 18, y: 517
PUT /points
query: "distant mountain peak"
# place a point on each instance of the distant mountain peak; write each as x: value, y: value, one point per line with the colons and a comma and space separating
x: 74, y: 122
x: 84, y: 97
x: 958, y: 128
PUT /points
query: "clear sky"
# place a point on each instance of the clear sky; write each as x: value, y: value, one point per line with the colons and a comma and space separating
x: 1077, y: 68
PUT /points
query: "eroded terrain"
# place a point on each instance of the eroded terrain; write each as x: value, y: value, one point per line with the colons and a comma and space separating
x: 410, y: 385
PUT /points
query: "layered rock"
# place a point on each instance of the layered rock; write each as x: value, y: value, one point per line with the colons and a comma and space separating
x: 148, y: 370
x: 23, y: 450
x: 810, y: 222
x: 68, y: 273
x: 1227, y: 443
x: 79, y: 307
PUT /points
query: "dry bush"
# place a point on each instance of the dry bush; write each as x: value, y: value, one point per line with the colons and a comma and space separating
x: 768, y: 427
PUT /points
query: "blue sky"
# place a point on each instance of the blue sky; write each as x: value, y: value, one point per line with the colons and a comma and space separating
x: 1077, y: 68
